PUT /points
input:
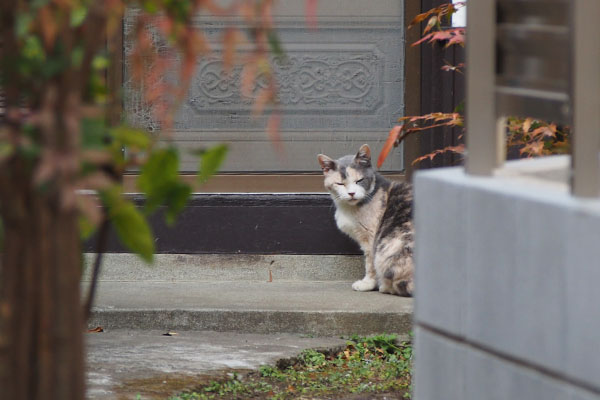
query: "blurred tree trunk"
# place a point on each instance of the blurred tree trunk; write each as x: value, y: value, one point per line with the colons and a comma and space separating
x: 41, y: 341
x: 41, y: 344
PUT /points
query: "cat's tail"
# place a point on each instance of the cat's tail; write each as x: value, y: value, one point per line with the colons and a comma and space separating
x: 404, y: 288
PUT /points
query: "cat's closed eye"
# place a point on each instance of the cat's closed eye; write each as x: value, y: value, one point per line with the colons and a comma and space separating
x: 360, y: 180
x: 339, y: 183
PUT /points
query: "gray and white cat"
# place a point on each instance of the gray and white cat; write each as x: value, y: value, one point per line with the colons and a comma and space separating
x: 377, y: 214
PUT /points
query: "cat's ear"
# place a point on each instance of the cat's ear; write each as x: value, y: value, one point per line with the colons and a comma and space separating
x: 363, y: 157
x: 327, y: 164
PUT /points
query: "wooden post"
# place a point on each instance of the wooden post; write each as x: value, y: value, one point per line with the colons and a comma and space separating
x: 483, y: 152
x: 586, y: 98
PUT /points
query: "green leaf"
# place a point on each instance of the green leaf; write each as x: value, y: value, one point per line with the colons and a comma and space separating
x: 100, y: 62
x: 160, y: 169
x: 33, y: 49
x: 160, y: 181
x: 6, y: 150
x: 210, y: 161
x: 35, y: 4
x: 78, y: 16
x: 93, y: 133
x: 77, y: 56
x: 460, y: 107
x: 131, y: 226
x: 131, y: 137
x: 275, y: 44
x: 23, y: 23
x: 86, y: 228
x: 176, y: 200
x: 150, y: 6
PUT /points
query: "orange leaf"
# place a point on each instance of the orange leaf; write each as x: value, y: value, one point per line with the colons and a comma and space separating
x: 389, y: 143
x: 216, y: 9
x: 247, y: 79
x: 48, y: 26
x: 535, y: 148
x: 199, y: 43
x: 311, y: 13
x: 460, y: 149
x: 431, y: 24
x: 97, y: 329
x: 527, y: 125
x: 453, y: 36
x: 267, y: 14
x: 248, y: 11
x: 274, y: 133
x: 229, y: 47
x: 262, y: 98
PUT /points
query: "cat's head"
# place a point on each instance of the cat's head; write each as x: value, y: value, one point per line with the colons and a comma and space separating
x: 349, y: 179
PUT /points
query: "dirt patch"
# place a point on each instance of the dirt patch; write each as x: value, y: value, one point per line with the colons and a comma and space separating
x: 164, y: 386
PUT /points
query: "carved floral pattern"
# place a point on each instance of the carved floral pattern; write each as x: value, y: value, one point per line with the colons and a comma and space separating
x: 310, y: 82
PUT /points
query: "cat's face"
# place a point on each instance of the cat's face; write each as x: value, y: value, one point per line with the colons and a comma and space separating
x: 349, y: 179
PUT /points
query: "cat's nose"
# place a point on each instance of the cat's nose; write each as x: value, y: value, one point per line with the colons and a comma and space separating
x: 351, y: 194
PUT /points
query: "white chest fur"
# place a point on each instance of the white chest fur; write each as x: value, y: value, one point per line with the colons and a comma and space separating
x: 347, y: 221
x: 358, y: 223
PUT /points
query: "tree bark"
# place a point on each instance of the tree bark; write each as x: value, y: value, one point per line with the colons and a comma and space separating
x: 41, y: 324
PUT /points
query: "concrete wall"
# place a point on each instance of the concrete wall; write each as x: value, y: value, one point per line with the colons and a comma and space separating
x: 507, y: 300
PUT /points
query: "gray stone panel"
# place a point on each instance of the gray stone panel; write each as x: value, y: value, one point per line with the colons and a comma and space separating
x: 539, y: 318
x: 491, y: 378
x: 340, y: 86
x: 445, y: 369
x: 516, y: 275
x: 440, y: 268
x: 582, y: 288
x: 577, y: 394
x: 491, y: 266
x: 440, y: 366
x: 516, y: 272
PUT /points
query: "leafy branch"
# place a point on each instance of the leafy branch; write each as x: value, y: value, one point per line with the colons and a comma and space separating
x: 530, y: 137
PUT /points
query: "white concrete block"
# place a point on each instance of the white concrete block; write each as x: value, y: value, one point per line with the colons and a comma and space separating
x: 579, y: 394
x: 491, y: 378
x: 538, y: 319
x: 491, y: 265
x: 439, y: 371
x: 583, y: 293
x: 440, y: 253
x: 516, y: 272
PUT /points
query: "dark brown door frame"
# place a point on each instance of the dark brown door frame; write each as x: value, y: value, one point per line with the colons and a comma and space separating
x: 438, y: 91
x: 412, y: 82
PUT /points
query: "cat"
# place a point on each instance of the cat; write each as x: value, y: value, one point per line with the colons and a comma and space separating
x: 376, y: 213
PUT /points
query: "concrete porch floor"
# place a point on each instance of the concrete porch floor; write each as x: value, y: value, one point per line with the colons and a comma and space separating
x: 226, y: 314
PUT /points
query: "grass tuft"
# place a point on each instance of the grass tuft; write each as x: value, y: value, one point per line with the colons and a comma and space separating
x: 374, y: 365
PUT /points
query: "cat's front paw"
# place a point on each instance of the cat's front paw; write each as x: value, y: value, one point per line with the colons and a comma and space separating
x: 364, y: 285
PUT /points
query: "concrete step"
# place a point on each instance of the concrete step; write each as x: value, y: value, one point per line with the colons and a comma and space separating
x: 320, y: 308
x: 228, y: 267
x: 122, y: 364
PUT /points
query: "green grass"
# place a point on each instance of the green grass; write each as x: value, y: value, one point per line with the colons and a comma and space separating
x: 374, y: 365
